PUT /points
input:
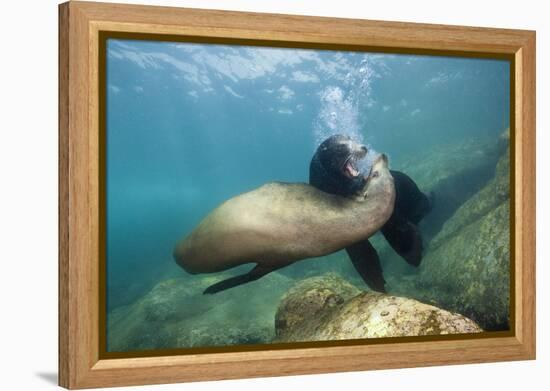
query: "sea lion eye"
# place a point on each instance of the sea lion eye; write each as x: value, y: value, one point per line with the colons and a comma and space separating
x: 375, y: 174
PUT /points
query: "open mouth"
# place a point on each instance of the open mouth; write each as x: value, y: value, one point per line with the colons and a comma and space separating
x: 350, y: 169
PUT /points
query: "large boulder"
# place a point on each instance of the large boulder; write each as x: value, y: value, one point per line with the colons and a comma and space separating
x: 328, y: 308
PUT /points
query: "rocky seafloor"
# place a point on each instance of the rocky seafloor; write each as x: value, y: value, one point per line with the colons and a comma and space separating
x: 462, y: 285
x: 176, y: 314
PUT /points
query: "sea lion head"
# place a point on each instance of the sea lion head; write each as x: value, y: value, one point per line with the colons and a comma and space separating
x: 334, y: 167
x: 379, y: 181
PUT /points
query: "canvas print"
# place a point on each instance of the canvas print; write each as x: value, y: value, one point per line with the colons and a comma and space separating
x: 258, y: 195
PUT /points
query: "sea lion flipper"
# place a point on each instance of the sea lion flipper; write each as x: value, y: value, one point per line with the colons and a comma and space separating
x: 252, y: 275
x: 405, y: 238
x: 367, y: 263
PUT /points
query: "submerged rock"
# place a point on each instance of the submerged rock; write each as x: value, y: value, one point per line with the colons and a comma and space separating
x: 490, y: 197
x: 175, y: 314
x: 309, y: 299
x: 452, y: 173
x: 328, y: 308
x: 467, y: 264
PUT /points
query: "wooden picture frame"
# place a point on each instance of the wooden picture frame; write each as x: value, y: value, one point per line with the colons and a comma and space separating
x: 81, y: 364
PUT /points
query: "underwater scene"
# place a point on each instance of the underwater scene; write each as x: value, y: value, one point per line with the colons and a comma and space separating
x: 260, y: 195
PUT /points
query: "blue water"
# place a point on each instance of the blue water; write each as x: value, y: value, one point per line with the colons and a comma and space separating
x: 189, y: 126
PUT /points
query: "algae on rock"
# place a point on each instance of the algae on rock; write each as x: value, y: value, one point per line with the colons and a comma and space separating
x: 305, y: 302
x: 467, y: 264
x: 328, y: 308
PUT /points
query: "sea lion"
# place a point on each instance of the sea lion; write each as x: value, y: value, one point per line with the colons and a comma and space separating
x: 334, y: 169
x: 334, y: 166
x: 282, y: 223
